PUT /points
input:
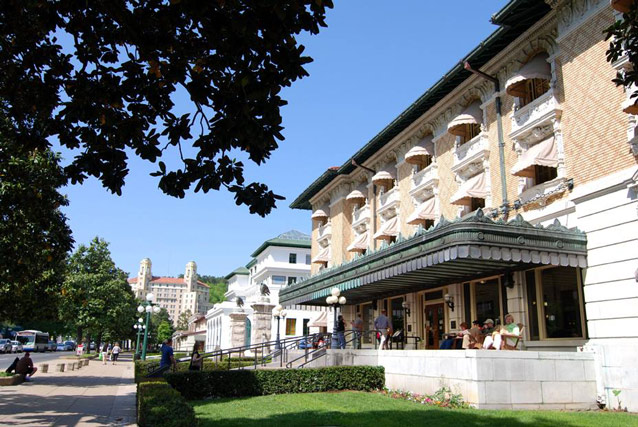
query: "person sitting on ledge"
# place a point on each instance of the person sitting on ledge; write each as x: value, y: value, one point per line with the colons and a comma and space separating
x: 472, y: 337
x: 25, y: 366
x: 451, y: 341
x: 510, y: 329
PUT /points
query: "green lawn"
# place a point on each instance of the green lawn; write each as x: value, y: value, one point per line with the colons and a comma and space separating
x: 370, y: 409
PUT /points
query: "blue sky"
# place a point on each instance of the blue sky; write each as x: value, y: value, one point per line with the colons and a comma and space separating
x: 372, y: 61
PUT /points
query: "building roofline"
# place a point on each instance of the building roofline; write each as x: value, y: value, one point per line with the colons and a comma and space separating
x: 285, y: 243
x: 514, y: 19
x: 239, y: 271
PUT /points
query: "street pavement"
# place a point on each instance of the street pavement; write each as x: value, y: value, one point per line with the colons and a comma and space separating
x: 95, y: 395
x: 7, y: 359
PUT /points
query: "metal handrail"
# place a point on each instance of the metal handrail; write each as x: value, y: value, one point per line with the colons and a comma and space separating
x: 262, y: 355
x: 353, y: 335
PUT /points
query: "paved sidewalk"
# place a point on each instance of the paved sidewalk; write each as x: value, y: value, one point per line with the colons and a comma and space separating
x: 95, y: 395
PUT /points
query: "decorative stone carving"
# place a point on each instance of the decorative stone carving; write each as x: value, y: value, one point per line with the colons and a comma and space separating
x: 389, y: 202
x: 424, y: 183
x: 470, y: 157
x: 574, y: 13
x: 361, y: 218
x: 534, y: 116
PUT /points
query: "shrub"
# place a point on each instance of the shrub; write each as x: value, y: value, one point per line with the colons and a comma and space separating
x: 159, y: 405
x: 238, y: 383
x: 145, y: 367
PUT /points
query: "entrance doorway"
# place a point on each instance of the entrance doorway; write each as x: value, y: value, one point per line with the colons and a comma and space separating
x: 368, y: 321
x: 434, y: 325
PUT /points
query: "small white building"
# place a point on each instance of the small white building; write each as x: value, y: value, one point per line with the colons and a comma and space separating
x: 277, y: 263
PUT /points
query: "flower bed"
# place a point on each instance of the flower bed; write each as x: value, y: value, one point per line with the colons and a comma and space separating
x: 442, y: 398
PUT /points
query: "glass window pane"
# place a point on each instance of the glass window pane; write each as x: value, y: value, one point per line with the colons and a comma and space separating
x: 532, y: 304
x: 397, y: 314
x: 291, y: 326
x: 486, y: 296
x: 561, y: 303
x: 279, y: 280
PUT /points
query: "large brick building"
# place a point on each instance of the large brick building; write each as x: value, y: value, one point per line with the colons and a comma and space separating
x: 418, y: 217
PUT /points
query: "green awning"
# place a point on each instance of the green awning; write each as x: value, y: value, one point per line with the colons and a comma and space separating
x: 450, y: 252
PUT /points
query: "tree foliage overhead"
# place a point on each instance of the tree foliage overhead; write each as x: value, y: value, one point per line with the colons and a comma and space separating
x: 101, y: 76
x: 624, y: 41
x: 34, y: 235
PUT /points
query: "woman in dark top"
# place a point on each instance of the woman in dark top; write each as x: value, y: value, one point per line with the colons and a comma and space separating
x: 341, y: 328
x: 196, y: 361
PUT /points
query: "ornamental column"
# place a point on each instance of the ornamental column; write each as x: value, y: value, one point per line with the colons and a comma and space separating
x: 262, y: 320
x: 237, y: 329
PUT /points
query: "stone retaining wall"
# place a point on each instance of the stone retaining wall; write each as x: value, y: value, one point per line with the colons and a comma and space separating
x: 486, y: 379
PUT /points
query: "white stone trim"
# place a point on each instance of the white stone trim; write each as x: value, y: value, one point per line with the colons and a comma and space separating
x: 604, y: 185
x: 568, y: 23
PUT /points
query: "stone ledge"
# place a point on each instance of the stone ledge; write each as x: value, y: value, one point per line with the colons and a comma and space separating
x: 12, y: 380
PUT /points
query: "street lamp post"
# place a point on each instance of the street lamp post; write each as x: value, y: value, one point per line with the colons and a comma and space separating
x: 139, y: 327
x: 148, y: 307
x: 278, y: 312
x: 335, y: 300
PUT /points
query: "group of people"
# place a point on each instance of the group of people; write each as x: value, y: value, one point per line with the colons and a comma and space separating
x: 382, y: 324
x: 485, y: 336
x: 109, y: 351
x: 167, y: 360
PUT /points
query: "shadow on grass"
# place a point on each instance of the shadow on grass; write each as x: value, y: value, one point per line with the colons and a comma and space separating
x: 419, y: 416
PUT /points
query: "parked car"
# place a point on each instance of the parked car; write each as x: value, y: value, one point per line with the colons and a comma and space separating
x: 92, y: 346
x: 52, y: 346
x: 70, y: 345
x: 5, y: 345
x: 16, y: 347
x: 65, y: 346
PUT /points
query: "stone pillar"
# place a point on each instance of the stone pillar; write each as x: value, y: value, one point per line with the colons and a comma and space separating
x: 516, y: 299
x: 237, y: 329
x: 262, y: 321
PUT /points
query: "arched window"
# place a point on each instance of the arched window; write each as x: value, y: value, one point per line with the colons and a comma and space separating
x: 531, y: 81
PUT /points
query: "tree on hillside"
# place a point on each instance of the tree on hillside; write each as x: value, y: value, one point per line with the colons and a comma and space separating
x: 164, y: 331
x: 182, y: 320
x: 96, y: 296
x: 623, y: 36
x: 101, y: 77
x: 156, y: 320
x: 217, y: 291
x: 34, y: 235
x: 218, y: 286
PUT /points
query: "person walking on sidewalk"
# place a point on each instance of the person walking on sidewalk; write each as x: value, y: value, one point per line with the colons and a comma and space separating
x: 105, y: 352
x: 115, y: 352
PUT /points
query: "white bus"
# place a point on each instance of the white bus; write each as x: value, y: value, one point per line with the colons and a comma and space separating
x: 33, y: 340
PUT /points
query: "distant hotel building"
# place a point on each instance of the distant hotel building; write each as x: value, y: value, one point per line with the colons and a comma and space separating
x: 174, y: 294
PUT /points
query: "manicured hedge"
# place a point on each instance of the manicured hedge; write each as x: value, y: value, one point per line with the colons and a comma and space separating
x: 237, y: 383
x: 144, y: 367
x: 159, y: 405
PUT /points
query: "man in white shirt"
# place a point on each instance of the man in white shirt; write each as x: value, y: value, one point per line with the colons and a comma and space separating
x: 382, y: 324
